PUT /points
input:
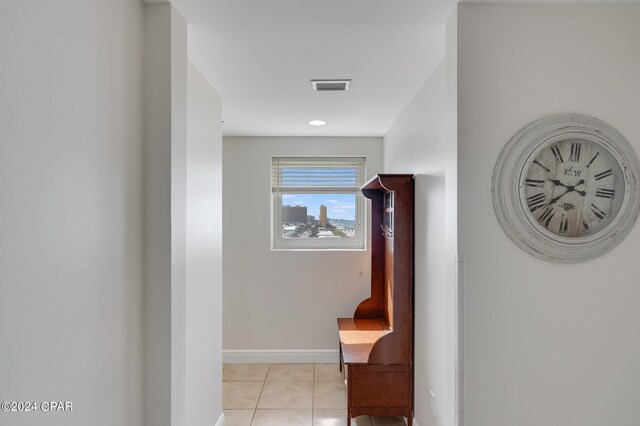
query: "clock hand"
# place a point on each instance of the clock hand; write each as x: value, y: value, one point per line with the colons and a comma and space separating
x: 569, y: 189
x: 573, y: 188
x: 558, y: 183
x: 554, y: 200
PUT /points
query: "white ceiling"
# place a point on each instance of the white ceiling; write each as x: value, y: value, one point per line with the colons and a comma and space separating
x: 261, y: 55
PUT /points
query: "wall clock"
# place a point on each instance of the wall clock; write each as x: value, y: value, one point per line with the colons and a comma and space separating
x: 565, y: 188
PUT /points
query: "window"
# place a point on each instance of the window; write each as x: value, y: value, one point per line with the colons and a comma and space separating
x: 317, y: 204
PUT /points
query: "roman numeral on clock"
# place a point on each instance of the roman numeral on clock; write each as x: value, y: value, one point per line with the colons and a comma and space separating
x: 585, y: 225
x: 575, y: 152
x: 605, y: 193
x: 546, y: 216
x: 603, y: 175
x: 556, y: 153
x: 593, y: 159
x: 535, y: 201
x: 536, y: 183
x: 596, y: 211
x: 564, y: 224
x: 546, y: 169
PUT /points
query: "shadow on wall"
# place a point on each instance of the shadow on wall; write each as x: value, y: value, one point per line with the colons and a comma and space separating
x: 430, y: 298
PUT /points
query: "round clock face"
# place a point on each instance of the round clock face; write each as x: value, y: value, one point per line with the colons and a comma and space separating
x: 572, y: 188
x: 565, y: 188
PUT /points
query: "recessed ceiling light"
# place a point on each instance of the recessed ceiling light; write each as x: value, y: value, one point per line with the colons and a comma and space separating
x: 317, y: 122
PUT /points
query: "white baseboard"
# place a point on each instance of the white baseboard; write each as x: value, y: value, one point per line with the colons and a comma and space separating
x: 220, y: 421
x: 319, y: 356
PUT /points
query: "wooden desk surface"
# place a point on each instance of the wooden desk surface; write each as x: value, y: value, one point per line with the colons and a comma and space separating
x: 357, y: 337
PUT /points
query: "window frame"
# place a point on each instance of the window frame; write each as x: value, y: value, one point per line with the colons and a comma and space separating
x: 278, y: 243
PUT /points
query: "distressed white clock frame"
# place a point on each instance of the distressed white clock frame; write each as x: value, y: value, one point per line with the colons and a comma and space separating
x: 513, y: 164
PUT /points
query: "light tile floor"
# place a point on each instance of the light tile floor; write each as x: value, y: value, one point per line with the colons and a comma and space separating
x: 289, y: 395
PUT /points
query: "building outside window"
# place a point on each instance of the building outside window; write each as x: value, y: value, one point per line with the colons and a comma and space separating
x: 317, y: 204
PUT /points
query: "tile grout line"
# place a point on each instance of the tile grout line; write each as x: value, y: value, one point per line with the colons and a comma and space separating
x: 313, y: 394
x: 255, y: 410
x: 314, y: 380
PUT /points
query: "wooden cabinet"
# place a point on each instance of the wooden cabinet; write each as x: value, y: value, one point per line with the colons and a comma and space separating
x: 376, y: 345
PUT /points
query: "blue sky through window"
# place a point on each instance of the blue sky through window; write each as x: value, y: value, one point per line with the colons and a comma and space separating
x: 339, y: 206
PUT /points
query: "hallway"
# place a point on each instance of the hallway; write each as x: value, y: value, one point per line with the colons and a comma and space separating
x: 289, y: 394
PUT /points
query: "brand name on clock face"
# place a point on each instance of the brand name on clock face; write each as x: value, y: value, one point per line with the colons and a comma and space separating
x: 572, y: 172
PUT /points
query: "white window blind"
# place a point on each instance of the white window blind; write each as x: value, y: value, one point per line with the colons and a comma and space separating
x: 321, y: 175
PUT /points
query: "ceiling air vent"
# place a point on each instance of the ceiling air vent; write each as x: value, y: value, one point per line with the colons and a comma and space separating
x: 330, y: 85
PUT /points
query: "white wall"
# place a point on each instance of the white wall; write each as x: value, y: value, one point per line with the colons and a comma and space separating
x: 183, y: 234
x: 283, y: 300
x: 453, y: 290
x: 71, y: 204
x: 545, y: 344
x: 203, y: 253
x: 161, y: 259
x: 178, y: 229
x: 417, y: 143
